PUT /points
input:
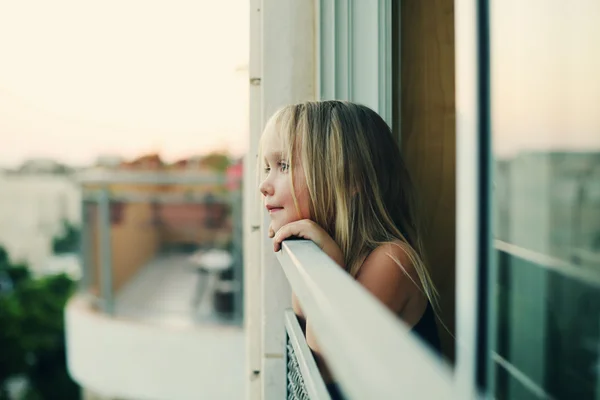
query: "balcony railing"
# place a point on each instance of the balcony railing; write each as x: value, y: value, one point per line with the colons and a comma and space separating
x: 372, y: 353
x: 303, y: 380
x: 149, y: 295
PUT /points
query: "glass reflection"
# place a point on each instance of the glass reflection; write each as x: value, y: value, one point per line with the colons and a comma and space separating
x: 545, y: 95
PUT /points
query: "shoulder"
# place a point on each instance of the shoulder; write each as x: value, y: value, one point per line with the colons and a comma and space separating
x: 390, y: 259
x: 388, y: 273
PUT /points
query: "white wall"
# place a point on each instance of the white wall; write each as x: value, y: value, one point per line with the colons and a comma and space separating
x: 31, y: 212
x: 128, y: 359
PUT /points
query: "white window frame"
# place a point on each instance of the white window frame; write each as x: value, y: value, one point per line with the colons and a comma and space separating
x: 355, y: 53
x: 468, y: 192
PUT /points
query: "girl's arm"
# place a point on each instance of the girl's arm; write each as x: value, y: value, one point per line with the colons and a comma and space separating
x: 307, y: 229
x: 392, y: 284
x: 295, y: 303
x: 387, y: 273
x: 296, y: 307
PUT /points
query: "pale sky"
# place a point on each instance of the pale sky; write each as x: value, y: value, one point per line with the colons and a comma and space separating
x: 80, y: 79
x: 545, y: 68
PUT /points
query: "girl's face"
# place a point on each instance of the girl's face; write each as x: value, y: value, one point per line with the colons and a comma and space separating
x: 276, y: 186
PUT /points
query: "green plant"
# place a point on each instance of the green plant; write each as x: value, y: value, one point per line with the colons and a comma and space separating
x: 32, y: 337
x: 217, y: 161
x: 68, y: 242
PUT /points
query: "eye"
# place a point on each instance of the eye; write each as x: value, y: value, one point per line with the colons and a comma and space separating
x: 283, y: 166
x: 267, y: 170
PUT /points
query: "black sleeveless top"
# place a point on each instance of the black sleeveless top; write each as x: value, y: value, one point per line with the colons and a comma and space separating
x: 427, y: 331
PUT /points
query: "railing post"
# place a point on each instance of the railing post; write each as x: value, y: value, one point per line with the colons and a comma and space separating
x: 85, y: 248
x: 236, y: 211
x: 105, y: 246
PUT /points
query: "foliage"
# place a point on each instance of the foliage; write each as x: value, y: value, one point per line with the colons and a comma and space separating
x: 68, y: 242
x: 32, y: 337
x: 217, y: 161
x: 3, y: 257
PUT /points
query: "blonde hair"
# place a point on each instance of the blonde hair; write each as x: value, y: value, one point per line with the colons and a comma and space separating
x: 359, y: 188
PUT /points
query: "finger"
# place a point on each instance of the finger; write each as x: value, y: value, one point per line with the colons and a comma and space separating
x: 271, y: 231
x: 291, y: 229
x: 280, y: 236
x: 276, y: 244
x: 283, y: 233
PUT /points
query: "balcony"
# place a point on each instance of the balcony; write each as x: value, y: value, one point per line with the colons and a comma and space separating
x: 164, y: 340
x: 153, y: 318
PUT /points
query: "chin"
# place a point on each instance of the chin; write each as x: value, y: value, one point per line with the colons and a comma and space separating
x: 275, y: 226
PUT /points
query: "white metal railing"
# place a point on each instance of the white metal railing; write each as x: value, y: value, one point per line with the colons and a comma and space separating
x: 372, y: 354
x: 300, y: 361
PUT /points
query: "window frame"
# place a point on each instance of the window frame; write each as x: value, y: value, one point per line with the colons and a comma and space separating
x: 347, y: 31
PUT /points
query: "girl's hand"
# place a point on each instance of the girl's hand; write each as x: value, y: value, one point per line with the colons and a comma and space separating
x: 310, y: 230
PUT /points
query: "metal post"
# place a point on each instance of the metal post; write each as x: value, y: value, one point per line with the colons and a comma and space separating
x: 85, y: 249
x: 209, y: 221
x: 598, y: 369
x: 236, y: 204
x: 104, y: 238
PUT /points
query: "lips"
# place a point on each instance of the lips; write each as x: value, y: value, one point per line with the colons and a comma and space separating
x: 273, y: 209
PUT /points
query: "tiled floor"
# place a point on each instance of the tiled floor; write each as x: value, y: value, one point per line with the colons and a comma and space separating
x: 166, y: 294
x: 170, y: 290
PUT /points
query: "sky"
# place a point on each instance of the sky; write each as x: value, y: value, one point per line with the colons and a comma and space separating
x: 80, y: 79
x: 545, y: 75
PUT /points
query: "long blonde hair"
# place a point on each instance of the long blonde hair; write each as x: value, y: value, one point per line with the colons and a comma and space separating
x: 359, y: 187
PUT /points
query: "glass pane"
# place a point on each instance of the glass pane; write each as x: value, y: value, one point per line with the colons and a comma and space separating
x: 548, y: 322
x: 545, y: 96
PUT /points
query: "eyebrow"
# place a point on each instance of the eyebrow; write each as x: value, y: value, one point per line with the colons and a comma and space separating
x: 275, y: 155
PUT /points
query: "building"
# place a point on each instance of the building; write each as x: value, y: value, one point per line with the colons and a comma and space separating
x: 109, y: 161
x: 547, y: 203
x: 154, y: 217
x: 565, y: 227
x: 40, y: 166
x: 35, y: 204
x: 146, y: 224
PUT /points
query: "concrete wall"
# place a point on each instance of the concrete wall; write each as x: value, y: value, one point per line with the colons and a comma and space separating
x: 134, y: 242
x: 125, y: 359
x: 31, y: 211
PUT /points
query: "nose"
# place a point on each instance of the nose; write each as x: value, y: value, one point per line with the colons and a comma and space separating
x: 266, y: 188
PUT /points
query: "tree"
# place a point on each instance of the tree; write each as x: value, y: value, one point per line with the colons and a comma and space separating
x: 32, y: 336
x: 68, y: 242
x: 216, y: 161
x: 3, y: 257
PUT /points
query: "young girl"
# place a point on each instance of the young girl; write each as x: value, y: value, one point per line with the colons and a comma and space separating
x: 333, y: 174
